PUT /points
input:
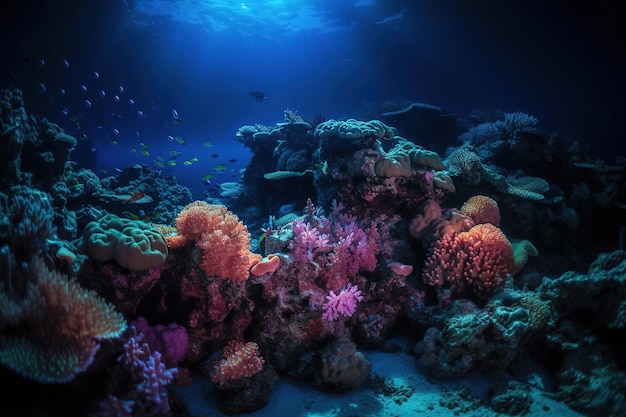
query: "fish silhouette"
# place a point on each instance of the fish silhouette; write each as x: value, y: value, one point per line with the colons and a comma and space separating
x: 258, y: 96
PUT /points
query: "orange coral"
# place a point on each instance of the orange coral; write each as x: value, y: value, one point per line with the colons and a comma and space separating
x: 241, y: 360
x: 224, y: 239
x: 482, y: 209
x: 478, y: 259
x: 52, y: 333
x: 265, y: 265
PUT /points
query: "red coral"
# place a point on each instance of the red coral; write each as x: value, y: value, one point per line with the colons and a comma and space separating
x: 477, y: 259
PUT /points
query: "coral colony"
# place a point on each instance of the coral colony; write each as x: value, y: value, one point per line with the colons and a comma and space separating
x: 479, y: 258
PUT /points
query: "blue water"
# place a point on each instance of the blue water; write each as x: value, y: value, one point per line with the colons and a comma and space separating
x: 197, y: 61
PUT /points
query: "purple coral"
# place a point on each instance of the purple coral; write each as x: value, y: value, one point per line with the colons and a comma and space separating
x: 150, y: 377
x: 342, y: 304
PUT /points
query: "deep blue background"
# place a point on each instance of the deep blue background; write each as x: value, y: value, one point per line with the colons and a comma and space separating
x: 561, y: 63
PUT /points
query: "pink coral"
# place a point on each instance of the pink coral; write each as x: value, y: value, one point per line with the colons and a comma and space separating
x: 477, y: 259
x: 342, y: 304
x: 337, y: 247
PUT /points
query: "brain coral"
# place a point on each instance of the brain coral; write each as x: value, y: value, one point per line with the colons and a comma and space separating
x: 133, y: 244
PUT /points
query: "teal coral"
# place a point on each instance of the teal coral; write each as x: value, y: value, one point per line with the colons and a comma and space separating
x: 353, y: 129
x: 404, y: 158
x: 133, y: 244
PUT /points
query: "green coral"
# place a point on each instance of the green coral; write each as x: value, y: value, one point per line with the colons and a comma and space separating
x: 133, y: 244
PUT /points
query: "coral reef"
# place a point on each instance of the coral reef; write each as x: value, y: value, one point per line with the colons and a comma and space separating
x: 378, y: 236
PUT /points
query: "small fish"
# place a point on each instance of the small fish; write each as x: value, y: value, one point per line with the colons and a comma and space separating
x: 131, y: 101
x: 258, y: 96
x: 144, y: 152
x: 232, y: 160
x: 130, y: 215
x: 187, y: 163
x: 175, y: 117
x: 113, y: 142
x: 207, y: 144
x: 134, y: 197
x: 171, y: 163
x: 180, y: 140
x: 220, y: 167
x: 66, y: 64
x: 215, y: 155
x: 103, y: 94
x: 208, y: 177
x: 174, y: 153
x: 88, y: 104
x: 194, y: 159
x: 159, y: 164
x: 96, y: 75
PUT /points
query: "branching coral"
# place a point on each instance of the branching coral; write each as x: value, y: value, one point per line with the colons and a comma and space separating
x: 337, y: 246
x: 342, y: 304
x: 150, y: 377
